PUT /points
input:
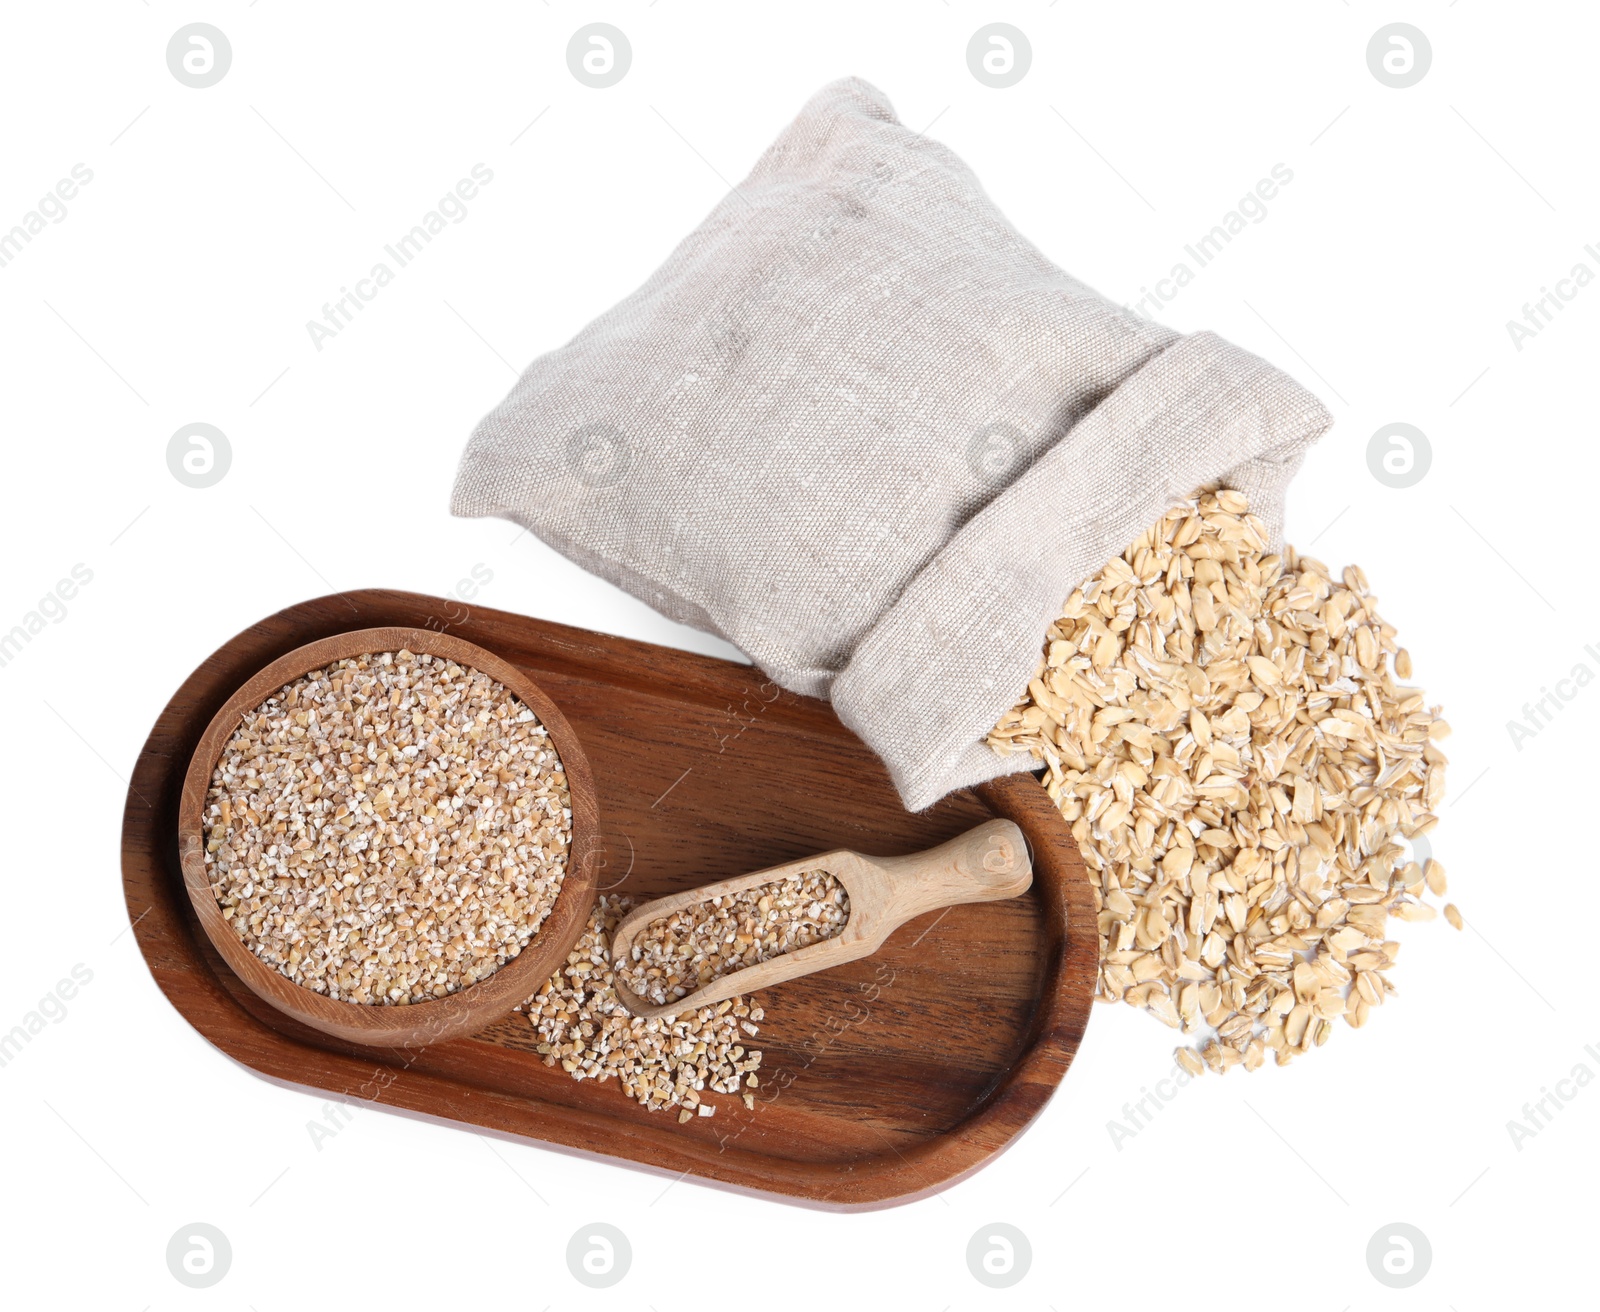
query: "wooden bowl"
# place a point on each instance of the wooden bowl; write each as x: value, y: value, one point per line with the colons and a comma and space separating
x: 417, y: 1023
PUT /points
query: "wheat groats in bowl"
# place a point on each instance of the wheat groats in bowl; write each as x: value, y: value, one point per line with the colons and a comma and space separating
x: 390, y: 836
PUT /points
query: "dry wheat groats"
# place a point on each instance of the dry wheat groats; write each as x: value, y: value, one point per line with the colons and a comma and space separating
x: 388, y: 829
x: 1221, y: 727
x: 687, y: 950
x: 672, y: 1060
x: 667, y: 1062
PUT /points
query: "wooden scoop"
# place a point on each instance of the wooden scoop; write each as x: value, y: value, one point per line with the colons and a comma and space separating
x: 986, y: 864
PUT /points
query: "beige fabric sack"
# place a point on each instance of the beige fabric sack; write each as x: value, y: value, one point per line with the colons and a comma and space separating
x: 857, y: 425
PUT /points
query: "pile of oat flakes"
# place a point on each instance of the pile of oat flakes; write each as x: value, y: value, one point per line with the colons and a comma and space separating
x: 1222, y: 727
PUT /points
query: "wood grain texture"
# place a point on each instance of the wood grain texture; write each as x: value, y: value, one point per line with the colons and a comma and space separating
x: 420, y: 1023
x: 884, y: 1080
x: 984, y: 864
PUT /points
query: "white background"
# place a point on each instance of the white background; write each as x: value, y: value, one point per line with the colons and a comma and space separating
x: 177, y: 289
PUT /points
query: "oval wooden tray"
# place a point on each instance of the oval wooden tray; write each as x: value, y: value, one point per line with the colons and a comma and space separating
x: 883, y: 1081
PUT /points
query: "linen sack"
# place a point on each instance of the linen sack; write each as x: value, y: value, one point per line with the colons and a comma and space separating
x: 861, y: 428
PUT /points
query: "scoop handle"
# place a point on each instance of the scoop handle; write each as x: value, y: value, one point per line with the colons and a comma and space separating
x: 986, y: 864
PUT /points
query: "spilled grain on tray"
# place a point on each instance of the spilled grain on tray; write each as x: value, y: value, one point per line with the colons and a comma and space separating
x: 668, y: 1062
x: 1219, y: 725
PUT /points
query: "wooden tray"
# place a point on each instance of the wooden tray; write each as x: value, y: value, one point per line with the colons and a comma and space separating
x: 884, y: 1080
